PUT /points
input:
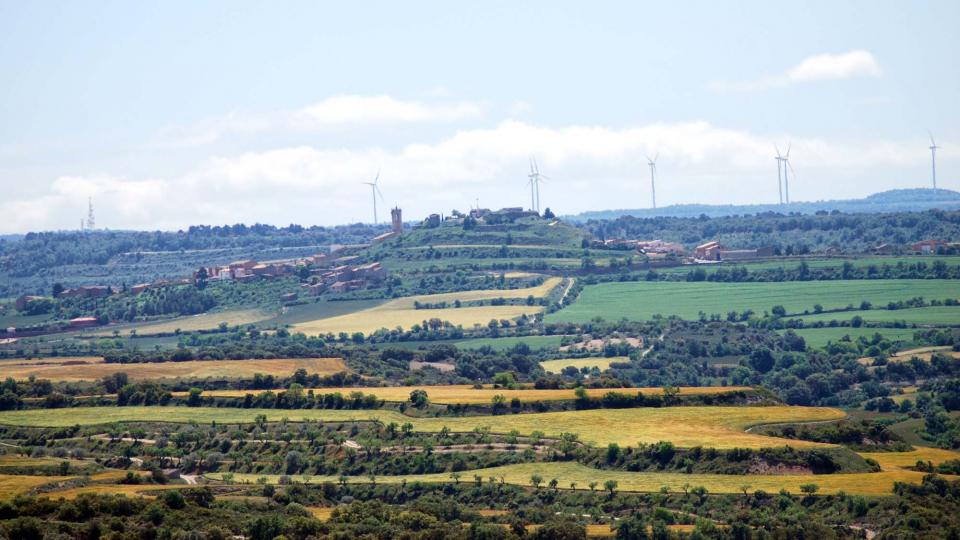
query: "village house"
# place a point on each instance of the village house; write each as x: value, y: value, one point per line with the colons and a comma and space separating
x: 709, y: 251
x: 927, y: 246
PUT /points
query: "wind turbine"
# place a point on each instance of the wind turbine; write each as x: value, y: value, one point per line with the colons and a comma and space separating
x: 653, y: 176
x: 786, y: 177
x: 933, y: 159
x: 779, y: 159
x: 535, y: 178
x: 375, y: 190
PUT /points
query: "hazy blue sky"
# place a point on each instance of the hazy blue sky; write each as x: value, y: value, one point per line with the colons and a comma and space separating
x: 176, y: 113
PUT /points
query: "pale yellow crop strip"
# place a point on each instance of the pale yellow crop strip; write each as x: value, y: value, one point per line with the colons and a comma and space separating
x: 716, y: 427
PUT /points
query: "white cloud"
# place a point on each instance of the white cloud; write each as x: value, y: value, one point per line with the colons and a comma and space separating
x: 591, y: 167
x: 337, y: 112
x: 824, y: 67
x: 821, y: 67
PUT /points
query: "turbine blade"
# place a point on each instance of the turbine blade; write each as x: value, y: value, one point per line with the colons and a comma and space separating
x: 788, y: 150
x: 655, y: 158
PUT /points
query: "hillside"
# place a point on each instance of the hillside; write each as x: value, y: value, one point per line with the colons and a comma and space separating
x: 897, y: 200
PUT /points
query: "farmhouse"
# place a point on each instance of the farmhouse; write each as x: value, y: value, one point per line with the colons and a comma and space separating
x: 927, y: 246
x: 709, y: 251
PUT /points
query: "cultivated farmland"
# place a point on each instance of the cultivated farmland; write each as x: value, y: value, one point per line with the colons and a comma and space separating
x: 880, y: 483
x: 403, y: 313
x: 929, y: 315
x: 205, y: 321
x: 468, y: 395
x: 74, y: 369
x: 642, y: 300
x: 601, y: 363
x: 717, y: 427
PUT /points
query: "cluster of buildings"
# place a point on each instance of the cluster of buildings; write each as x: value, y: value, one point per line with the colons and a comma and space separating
x: 346, y: 277
x: 653, y: 249
x: 923, y: 247
x: 715, y: 251
x: 483, y: 216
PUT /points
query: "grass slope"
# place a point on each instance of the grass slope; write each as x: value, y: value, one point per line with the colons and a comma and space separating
x: 717, y: 427
x: 642, y: 300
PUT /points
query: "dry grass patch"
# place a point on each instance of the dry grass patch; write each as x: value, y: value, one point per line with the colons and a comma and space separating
x: 12, y: 485
x: 402, y: 312
x: 716, y: 427
x: 465, y: 394
x: 599, y: 362
x: 71, y: 370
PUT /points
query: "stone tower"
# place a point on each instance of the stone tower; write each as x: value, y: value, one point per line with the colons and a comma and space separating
x: 397, y: 218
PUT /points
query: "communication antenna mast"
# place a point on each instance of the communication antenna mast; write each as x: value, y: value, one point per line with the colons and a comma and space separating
x: 91, y: 222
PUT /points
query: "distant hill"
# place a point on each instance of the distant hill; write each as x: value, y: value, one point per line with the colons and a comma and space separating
x: 897, y: 200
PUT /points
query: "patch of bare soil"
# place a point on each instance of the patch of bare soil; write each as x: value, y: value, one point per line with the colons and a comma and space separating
x: 762, y: 467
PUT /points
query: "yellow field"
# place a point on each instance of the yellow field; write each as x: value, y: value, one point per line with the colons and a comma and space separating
x: 129, y: 490
x: 10, y: 460
x: 12, y: 485
x: 566, y: 472
x: 401, y: 312
x: 717, y: 427
x: 204, y: 321
x: 890, y: 461
x: 601, y: 363
x: 64, y: 369
x: 468, y: 395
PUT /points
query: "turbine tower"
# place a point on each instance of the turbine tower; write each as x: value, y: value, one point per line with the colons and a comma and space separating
x: 535, y: 178
x: 933, y: 159
x: 786, y: 177
x: 653, y: 179
x: 375, y: 190
x: 779, y: 159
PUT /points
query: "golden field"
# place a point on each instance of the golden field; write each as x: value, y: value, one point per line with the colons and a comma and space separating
x: 599, y: 362
x: 717, y: 427
x: 465, y: 394
x: 401, y: 311
x: 890, y: 461
x: 92, y: 368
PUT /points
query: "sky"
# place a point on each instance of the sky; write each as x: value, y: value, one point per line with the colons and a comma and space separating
x: 168, y: 114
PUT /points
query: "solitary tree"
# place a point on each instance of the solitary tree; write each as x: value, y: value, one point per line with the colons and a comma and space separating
x: 536, y: 480
x: 610, y: 485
